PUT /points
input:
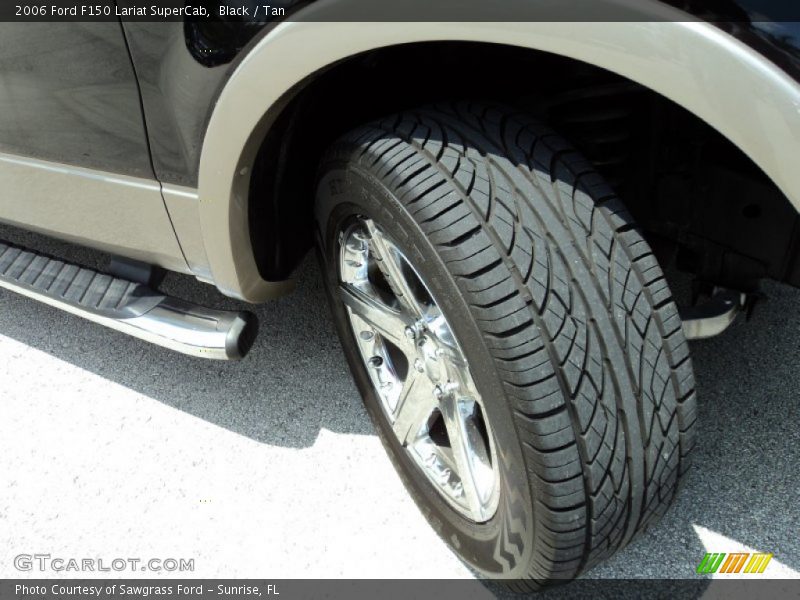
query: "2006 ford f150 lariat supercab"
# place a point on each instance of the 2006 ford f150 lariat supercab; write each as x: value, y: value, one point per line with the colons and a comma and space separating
x: 494, y: 203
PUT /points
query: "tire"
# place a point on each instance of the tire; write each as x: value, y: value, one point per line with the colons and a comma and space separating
x: 564, y: 317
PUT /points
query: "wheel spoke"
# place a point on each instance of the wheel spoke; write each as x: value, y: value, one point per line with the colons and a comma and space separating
x: 439, y: 327
x: 462, y: 434
x: 390, y: 264
x: 414, y: 407
x: 389, y: 323
x: 418, y: 370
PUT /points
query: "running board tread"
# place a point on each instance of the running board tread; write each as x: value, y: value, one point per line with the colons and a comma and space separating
x: 126, y: 306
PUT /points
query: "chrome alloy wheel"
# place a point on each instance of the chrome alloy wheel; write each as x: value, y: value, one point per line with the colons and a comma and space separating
x: 418, y: 370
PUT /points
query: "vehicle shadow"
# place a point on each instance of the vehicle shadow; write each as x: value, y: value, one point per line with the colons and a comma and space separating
x: 745, y: 483
x: 293, y: 382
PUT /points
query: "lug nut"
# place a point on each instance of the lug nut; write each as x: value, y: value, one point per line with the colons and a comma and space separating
x: 411, y: 334
x: 419, y: 366
x: 376, y: 362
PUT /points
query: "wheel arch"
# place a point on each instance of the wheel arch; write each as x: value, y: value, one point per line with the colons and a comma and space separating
x: 725, y: 83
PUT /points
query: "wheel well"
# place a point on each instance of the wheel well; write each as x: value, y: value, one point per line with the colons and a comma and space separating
x: 702, y: 203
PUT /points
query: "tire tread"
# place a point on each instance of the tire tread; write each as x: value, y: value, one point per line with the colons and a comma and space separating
x: 574, y: 309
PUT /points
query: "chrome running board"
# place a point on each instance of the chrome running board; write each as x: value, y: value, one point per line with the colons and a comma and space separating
x: 127, y: 306
x: 714, y: 317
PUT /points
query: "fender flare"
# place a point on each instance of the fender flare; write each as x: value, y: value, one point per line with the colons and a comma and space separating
x: 719, y: 79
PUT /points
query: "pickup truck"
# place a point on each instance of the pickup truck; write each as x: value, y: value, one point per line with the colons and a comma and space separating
x: 494, y: 202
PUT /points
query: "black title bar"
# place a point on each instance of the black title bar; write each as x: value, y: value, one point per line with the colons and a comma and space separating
x: 262, y: 11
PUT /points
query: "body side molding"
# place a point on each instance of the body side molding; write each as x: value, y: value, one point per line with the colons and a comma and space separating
x: 182, y: 203
x: 119, y: 214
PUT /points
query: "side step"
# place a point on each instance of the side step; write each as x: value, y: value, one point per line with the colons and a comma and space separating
x: 713, y: 317
x: 127, y: 306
